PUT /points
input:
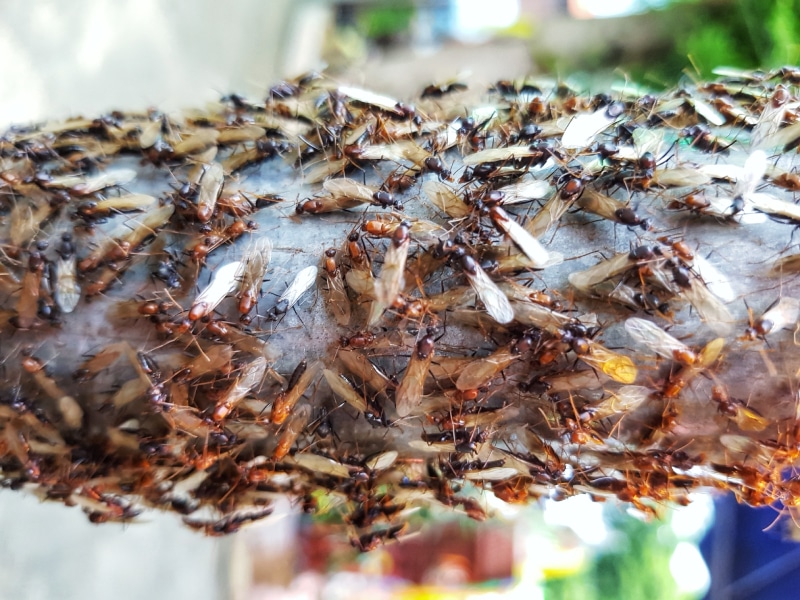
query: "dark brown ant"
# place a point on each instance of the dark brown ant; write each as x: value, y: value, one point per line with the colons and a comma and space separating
x: 530, y: 340
x: 529, y: 131
x: 645, y: 253
x: 789, y: 75
x: 297, y: 374
x: 370, y: 541
x: 578, y: 336
x: 358, y: 340
x: 606, y: 149
x: 650, y: 302
x: 681, y: 275
x: 466, y: 441
x: 571, y: 189
x: 398, y: 182
x: 229, y: 524
x: 628, y: 217
x: 387, y: 200
x: 434, y: 164
x: 438, y: 90
x: 282, y: 90
x: 167, y: 272
x: 700, y: 137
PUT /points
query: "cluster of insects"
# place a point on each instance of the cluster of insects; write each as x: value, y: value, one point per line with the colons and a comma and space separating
x: 527, y: 291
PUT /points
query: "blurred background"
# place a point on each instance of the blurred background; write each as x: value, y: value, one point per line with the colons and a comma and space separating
x: 60, y: 59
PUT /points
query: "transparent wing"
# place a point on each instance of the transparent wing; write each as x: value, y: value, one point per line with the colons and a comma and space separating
x: 496, y: 302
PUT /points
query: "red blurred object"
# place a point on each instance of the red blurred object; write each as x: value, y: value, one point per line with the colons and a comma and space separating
x: 447, y: 553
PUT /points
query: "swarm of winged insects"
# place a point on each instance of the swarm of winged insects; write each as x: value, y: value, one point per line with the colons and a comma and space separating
x: 535, y: 290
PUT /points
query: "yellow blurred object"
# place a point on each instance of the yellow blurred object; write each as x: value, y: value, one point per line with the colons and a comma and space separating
x: 564, y: 562
x: 378, y: 563
x: 429, y: 593
x: 344, y: 47
x: 423, y: 592
x: 522, y: 29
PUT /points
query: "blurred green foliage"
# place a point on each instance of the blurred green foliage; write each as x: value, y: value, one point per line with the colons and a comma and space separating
x: 381, y: 22
x: 693, y: 37
x: 636, y: 566
x: 740, y: 33
x: 703, y: 34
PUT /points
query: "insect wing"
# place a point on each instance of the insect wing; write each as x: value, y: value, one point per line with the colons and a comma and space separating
x: 496, y: 302
x: 299, y: 286
x: 648, y: 140
x: 286, y: 401
x: 360, y: 366
x: 715, y: 281
x: 151, y: 132
x: 680, y: 176
x: 323, y: 169
x: 600, y: 204
x: 626, y: 399
x: 445, y: 199
x: 27, y: 303
x: 321, y: 464
x: 348, y: 188
x: 656, y: 339
x: 337, y: 297
x: 481, y: 371
x: 709, y: 307
x: 212, y: 360
x: 786, y: 265
x: 617, y: 366
x: 784, y: 314
x: 732, y: 73
x: 361, y: 281
x: 532, y: 314
x: 548, y: 216
x: 397, y: 152
x: 751, y: 174
x: 342, y: 388
x: 391, y: 279
x: 708, y: 112
x: 744, y: 445
x: 529, y: 245
x: 381, y: 461
x: 255, y: 260
x: 493, y: 155
x: 292, y: 431
x: 386, y: 103
x: 517, y: 193
x: 224, y: 282
x: 583, y: 128
x: 209, y: 191
x: 585, y: 280
x: 240, y: 135
x: 771, y: 205
x: 102, y: 360
x: 250, y: 378
x: 492, y: 474
x: 102, y: 181
x: 710, y: 352
x: 67, y: 292
x: 409, y: 393
x: 128, y: 202
x: 24, y: 221
x: 769, y: 122
x: 199, y: 141
x: 749, y: 420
